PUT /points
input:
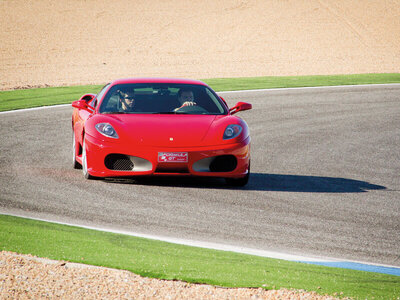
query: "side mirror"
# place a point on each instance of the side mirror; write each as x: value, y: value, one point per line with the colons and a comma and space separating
x: 88, y: 97
x: 82, y: 104
x: 239, y: 107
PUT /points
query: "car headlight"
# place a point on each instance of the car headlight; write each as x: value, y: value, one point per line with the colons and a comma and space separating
x: 106, y: 130
x: 232, y: 131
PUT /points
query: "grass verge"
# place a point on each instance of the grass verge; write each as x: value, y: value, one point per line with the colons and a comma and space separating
x: 163, y: 260
x: 17, y: 99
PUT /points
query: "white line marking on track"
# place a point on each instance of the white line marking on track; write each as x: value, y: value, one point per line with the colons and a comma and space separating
x: 316, y: 87
x: 34, y: 108
x: 223, y: 247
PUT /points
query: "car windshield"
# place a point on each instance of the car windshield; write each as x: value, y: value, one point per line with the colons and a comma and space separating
x: 161, y: 98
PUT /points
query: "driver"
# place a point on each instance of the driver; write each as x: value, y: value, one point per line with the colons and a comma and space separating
x: 126, y: 100
x: 186, y: 98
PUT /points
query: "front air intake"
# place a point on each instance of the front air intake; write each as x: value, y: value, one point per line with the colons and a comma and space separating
x: 223, y: 163
x: 118, y: 162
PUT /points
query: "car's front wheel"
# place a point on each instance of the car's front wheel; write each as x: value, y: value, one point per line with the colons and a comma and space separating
x: 75, y: 163
x: 239, y: 181
x: 84, y: 162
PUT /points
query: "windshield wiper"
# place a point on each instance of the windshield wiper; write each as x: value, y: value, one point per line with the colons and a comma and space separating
x: 116, y: 112
x: 170, y: 113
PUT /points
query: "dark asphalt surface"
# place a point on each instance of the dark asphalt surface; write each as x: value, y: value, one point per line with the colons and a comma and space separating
x: 325, y: 178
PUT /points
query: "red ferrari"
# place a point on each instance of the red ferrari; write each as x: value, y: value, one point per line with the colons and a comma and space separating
x: 159, y: 126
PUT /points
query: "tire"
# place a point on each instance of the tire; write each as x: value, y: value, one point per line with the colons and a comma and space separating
x: 84, y: 162
x: 75, y: 164
x: 239, y: 181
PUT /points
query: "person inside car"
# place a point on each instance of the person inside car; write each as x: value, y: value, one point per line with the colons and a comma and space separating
x: 186, y: 98
x: 126, y: 101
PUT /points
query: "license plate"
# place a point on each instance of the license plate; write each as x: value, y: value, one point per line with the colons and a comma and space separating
x: 173, y: 157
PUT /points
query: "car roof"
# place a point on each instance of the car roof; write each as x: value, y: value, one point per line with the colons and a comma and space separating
x: 157, y: 80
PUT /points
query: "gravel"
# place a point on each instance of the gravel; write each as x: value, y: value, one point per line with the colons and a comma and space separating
x: 30, y: 277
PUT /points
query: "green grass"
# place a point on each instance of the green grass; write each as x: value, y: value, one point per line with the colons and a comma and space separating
x: 18, y: 99
x: 269, y: 82
x: 163, y: 260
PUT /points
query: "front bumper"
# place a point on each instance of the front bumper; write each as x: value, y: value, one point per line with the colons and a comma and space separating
x: 145, y: 159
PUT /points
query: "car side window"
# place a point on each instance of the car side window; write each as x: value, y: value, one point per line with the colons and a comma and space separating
x: 94, y: 103
x: 102, y: 91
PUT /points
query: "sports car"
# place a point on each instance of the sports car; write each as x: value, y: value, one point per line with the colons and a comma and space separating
x: 160, y: 126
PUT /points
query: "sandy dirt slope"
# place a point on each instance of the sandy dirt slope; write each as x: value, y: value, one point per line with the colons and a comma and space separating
x: 46, y: 42
x: 28, y: 277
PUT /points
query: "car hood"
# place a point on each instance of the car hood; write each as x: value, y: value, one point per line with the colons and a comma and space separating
x: 164, y: 130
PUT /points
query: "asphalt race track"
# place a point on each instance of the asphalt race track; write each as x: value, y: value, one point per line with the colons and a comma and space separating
x: 325, y: 178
